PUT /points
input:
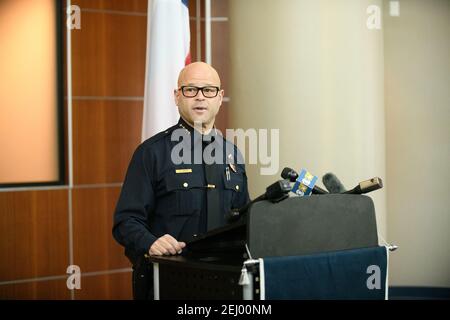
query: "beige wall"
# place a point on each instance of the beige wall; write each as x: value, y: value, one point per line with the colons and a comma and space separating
x: 314, y: 70
x: 417, y: 98
x: 359, y: 103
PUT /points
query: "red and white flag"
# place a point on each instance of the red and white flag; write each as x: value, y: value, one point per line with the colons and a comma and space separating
x: 168, y: 41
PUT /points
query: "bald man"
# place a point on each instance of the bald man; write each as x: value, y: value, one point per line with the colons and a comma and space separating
x: 201, y: 108
x: 169, y: 194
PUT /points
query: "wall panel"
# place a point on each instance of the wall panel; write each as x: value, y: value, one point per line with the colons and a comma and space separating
x: 94, y: 247
x: 105, y: 135
x: 33, y: 234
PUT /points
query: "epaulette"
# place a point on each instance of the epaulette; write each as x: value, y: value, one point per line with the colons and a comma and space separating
x: 160, y: 135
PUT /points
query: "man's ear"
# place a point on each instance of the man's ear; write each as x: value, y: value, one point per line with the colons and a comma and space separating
x: 221, y: 94
x: 175, y: 96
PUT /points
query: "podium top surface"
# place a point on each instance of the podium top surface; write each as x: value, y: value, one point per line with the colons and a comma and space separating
x: 221, y: 263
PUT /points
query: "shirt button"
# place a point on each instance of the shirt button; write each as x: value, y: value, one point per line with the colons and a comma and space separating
x: 185, y: 184
x: 237, y: 187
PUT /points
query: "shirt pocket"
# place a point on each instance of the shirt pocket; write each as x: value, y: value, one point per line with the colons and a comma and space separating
x: 185, y: 189
x: 234, y: 186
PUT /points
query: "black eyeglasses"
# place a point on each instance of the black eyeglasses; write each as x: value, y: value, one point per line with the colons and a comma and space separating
x: 192, y: 91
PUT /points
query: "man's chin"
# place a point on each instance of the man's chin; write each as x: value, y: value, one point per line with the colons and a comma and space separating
x: 199, y: 121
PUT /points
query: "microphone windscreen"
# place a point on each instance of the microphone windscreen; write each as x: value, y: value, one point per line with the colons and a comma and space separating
x: 332, y: 183
x: 289, y: 174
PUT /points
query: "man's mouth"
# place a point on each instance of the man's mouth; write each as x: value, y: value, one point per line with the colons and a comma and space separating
x: 200, y: 109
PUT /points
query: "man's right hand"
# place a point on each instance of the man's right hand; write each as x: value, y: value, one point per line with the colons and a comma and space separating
x: 166, y: 245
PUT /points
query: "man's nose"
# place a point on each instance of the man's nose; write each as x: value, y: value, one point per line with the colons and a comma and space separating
x: 200, y: 95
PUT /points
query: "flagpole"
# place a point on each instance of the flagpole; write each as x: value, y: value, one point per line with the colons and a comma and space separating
x: 208, y: 32
x: 198, y: 30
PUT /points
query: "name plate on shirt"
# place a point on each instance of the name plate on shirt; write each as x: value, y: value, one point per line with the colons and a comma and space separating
x: 183, y: 171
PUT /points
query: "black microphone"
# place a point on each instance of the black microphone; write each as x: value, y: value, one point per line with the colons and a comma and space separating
x: 332, y: 183
x: 276, y: 192
x: 292, y: 175
x: 289, y: 174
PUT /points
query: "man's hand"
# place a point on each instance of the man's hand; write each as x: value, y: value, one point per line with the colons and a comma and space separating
x: 166, y: 245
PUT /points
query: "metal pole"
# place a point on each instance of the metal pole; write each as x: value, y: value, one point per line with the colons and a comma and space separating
x: 208, y: 58
x: 156, y: 280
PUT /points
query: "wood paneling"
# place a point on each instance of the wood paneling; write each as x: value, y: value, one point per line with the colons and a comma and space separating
x: 222, y: 118
x: 221, y: 55
x: 219, y: 52
x: 219, y: 8
x: 33, y: 234
x: 193, y: 47
x: 105, y: 135
x: 115, y: 286
x: 94, y: 247
x: 43, y: 290
x: 118, y: 5
x: 193, y: 30
x: 108, y: 55
x: 108, y: 59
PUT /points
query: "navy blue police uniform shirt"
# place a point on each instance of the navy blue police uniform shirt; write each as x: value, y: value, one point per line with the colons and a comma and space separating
x: 161, y: 197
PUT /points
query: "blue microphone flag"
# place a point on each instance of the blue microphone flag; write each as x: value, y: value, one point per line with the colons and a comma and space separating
x: 304, y: 184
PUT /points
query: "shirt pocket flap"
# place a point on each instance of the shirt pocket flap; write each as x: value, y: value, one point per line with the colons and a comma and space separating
x: 234, y: 182
x: 183, y: 181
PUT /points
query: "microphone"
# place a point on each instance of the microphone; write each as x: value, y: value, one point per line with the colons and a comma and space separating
x: 289, y: 174
x: 276, y: 192
x: 332, y: 183
x: 292, y: 176
x: 367, y: 186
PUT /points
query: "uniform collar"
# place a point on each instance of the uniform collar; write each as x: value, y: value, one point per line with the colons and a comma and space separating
x: 206, y: 138
x: 199, y: 140
x: 183, y: 124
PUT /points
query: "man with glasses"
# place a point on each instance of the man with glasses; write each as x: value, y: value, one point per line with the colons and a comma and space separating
x: 165, y: 202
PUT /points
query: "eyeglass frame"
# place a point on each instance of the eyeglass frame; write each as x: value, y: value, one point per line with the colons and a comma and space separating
x: 198, y: 90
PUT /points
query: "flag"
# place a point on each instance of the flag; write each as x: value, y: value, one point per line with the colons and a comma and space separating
x: 168, y: 40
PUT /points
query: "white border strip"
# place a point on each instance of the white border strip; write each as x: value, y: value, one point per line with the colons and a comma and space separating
x: 262, y: 282
x: 69, y: 136
x: 61, y: 277
x: 156, y: 281
x: 64, y: 187
x: 123, y: 13
x: 50, y: 278
x: 219, y: 19
x: 17, y: 189
x: 113, y: 98
x: 247, y: 289
x: 98, y: 185
x: 213, y: 19
x: 69, y: 99
x: 101, y: 273
x: 387, y: 274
